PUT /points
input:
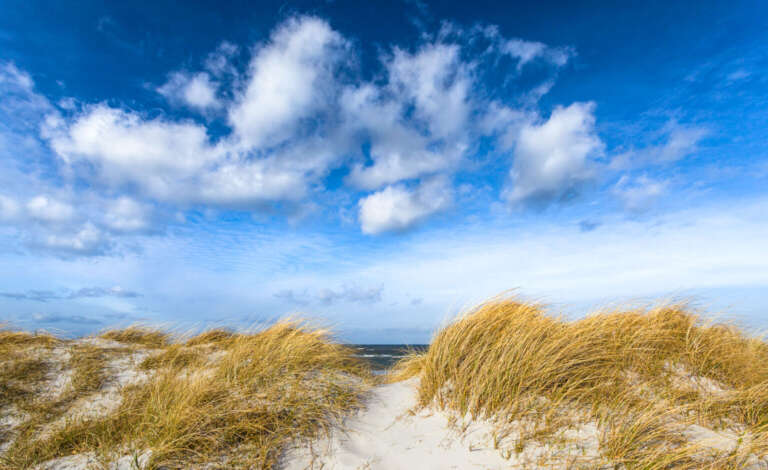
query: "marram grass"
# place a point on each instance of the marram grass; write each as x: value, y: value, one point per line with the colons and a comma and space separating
x: 643, y: 376
x: 642, y: 379
x: 219, y: 399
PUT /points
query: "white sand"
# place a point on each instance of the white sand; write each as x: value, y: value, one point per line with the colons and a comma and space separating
x: 387, y: 435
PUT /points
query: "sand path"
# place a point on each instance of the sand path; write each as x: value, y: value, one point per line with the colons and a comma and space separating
x: 386, y: 435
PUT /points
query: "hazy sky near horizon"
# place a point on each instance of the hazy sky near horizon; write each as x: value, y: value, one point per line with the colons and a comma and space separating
x: 378, y: 166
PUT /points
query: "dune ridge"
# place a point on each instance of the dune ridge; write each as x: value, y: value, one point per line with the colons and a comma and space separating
x: 507, y: 384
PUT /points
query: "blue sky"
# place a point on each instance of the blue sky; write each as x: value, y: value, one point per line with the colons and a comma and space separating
x: 378, y: 167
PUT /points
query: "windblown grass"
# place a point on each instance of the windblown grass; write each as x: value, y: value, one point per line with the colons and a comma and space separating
x: 229, y: 401
x: 642, y: 375
x: 139, y: 335
x: 210, y: 337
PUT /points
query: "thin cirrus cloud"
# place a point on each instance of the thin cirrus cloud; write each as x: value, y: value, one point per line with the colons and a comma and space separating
x: 677, y: 142
x: 85, y: 292
x: 328, y: 297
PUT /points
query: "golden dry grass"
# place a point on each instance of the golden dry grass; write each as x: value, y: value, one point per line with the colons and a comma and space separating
x: 231, y: 401
x: 139, y: 335
x: 210, y: 337
x: 643, y: 375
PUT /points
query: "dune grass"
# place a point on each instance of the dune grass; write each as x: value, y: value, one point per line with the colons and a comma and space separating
x: 221, y: 399
x: 642, y: 375
x: 139, y: 335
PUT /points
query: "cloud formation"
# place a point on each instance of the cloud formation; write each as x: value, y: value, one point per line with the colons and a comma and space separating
x: 677, y: 142
x: 298, y: 115
x: 638, y: 194
x: 555, y: 157
x: 196, y: 91
x: 345, y: 294
x: 84, y: 292
x: 299, y: 124
x: 396, y: 208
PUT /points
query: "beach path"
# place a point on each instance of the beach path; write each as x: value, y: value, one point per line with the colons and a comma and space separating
x: 387, y: 434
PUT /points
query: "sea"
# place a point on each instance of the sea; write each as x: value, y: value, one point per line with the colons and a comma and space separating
x: 383, y: 356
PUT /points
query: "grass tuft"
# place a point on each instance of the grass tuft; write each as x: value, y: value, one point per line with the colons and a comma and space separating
x: 139, y: 335
x: 210, y: 337
x: 237, y: 402
x: 643, y: 375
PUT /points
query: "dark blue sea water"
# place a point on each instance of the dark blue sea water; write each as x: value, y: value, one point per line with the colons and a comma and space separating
x: 383, y: 356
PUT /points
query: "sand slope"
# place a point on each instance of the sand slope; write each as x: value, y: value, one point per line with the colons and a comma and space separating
x: 387, y: 435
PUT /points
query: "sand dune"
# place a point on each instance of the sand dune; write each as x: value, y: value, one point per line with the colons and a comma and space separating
x: 387, y: 434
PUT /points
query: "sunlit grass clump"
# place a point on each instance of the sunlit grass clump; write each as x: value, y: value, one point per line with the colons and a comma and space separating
x: 221, y: 399
x: 642, y: 377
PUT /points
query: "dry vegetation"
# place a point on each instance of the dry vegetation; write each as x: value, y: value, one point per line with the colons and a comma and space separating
x: 216, y: 400
x: 654, y: 389
x: 644, y: 389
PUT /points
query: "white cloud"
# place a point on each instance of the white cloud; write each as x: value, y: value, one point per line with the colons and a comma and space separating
x: 437, y: 82
x: 527, y: 51
x: 290, y: 78
x: 87, y: 241
x: 396, y: 208
x: 680, y: 141
x: 347, y: 294
x: 248, y: 183
x: 700, y: 247
x: 11, y: 75
x: 298, y: 113
x: 126, y: 215
x: 218, y: 62
x: 45, y: 209
x: 639, y: 194
x: 437, y: 85
x: 399, y: 152
x: 9, y: 209
x: 555, y: 157
x: 196, y: 91
x: 156, y: 155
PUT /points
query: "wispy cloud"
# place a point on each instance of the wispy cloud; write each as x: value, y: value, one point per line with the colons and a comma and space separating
x: 84, y: 292
x: 677, y: 142
x: 345, y: 294
x: 54, y: 318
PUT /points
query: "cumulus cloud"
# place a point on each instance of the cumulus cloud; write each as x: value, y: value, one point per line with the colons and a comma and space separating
x: 296, y: 114
x: 554, y: 157
x: 435, y: 84
x: 155, y: 155
x: 127, y: 215
x: 398, y: 152
x: 290, y: 78
x: 396, y: 208
x: 194, y: 90
x: 45, y: 209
